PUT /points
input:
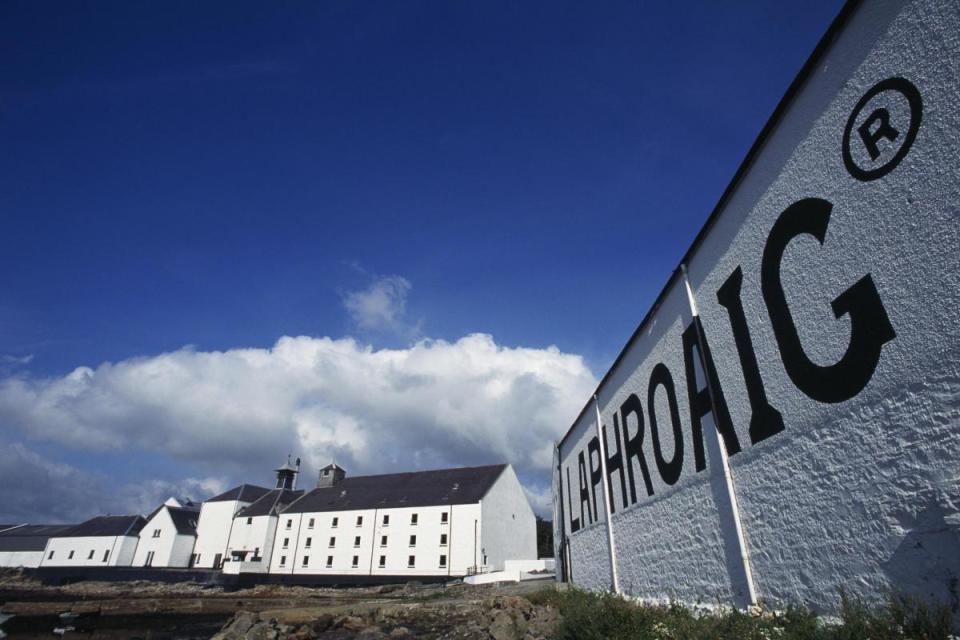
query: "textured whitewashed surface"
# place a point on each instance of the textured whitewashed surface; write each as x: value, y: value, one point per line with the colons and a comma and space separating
x: 863, y: 493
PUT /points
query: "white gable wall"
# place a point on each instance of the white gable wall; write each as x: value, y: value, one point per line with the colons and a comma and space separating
x: 254, y: 535
x: 509, y: 528
x: 213, y: 530
x: 170, y: 549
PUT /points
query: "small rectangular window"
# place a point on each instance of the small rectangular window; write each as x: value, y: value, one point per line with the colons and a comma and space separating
x: 333, y: 542
x: 383, y: 561
x: 309, y: 542
x: 383, y: 541
x: 106, y: 555
x: 69, y: 555
x: 356, y: 561
x: 413, y: 518
x: 336, y: 521
x: 310, y: 523
x: 306, y: 560
x: 386, y: 520
x: 359, y: 521
x: 413, y: 541
x: 50, y: 557
x: 411, y: 561
x: 289, y: 523
x: 156, y: 533
x: 356, y: 541
x: 250, y: 521
x: 283, y: 560
x: 443, y: 561
x: 443, y: 539
x: 286, y: 542
x: 444, y: 517
x: 329, y: 561
x: 90, y: 556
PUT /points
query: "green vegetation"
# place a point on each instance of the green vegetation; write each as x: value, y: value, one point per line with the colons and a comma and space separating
x: 605, y: 616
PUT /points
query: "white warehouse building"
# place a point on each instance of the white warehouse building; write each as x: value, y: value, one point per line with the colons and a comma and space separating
x: 104, y: 541
x: 447, y: 522
x: 22, y: 545
x: 167, y: 539
x: 216, y: 522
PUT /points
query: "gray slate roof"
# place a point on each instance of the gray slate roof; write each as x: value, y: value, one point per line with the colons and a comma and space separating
x: 106, y: 526
x: 466, y: 485
x: 243, y: 493
x: 272, y: 502
x: 30, y: 537
x: 185, y: 519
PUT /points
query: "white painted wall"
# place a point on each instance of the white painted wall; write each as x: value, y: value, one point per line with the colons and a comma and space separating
x: 859, y: 492
x: 121, y: 551
x: 254, y: 534
x: 508, y: 526
x: 459, y: 547
x: 20, y: 558
x: 170, y: 549
x: 213, y: 530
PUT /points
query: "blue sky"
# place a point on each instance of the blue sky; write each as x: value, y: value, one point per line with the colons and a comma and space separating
x: 220, y: 176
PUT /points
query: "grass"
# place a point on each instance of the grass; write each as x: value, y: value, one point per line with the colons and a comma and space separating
x: 605, y: 616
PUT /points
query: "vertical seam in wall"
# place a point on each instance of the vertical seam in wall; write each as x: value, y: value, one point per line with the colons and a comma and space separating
x: 724, y: 458
x: 606, y: 500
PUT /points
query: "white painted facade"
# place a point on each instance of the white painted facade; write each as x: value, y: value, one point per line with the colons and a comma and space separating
x: 253, y: 537
x: 90, y: 551
x: 508, y: 525
x: 213, y: 532
x: 21, y: 558
x: 428, y: 540
x: 438, y: 547
x: 838, y: 464
x: 161, y: 545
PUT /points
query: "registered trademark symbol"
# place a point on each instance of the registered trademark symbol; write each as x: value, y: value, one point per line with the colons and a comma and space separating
x: 881, y: 128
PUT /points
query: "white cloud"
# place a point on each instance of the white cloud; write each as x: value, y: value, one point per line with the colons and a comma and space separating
x: 380, y: 307
x: 238, y: 413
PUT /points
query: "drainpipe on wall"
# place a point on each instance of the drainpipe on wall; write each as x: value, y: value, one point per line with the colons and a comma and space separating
x: 724, y: 458
x: 373, y: 539
x: 606, y: 500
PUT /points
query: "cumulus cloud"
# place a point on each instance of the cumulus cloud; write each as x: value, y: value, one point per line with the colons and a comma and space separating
x: 382, y: 306
x: 237, y: 413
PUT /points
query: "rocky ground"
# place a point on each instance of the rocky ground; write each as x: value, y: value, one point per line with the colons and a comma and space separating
x: 269, y: 612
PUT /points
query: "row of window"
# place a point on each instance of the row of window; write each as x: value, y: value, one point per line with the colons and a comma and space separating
x: 355, y: 562
x: 308, y: 543
x: 106, y: 555
x: 385, y: 522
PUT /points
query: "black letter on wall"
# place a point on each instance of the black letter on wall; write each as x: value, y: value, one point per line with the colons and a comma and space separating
x: 765, y: 421
x: 584, y: 491
x: 634, y: 446
x: 574, y: 522
x: 870, y: 327
x: 596, y: 473
x: 669, y: 471
x: 614, y: 463
x: 700, y: 404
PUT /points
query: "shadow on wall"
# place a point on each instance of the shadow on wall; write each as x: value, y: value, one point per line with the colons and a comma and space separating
x: 926, y: 563
x: 728, y: 526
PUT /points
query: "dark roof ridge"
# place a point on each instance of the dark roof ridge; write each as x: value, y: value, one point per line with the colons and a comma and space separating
x: 429, y: 487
